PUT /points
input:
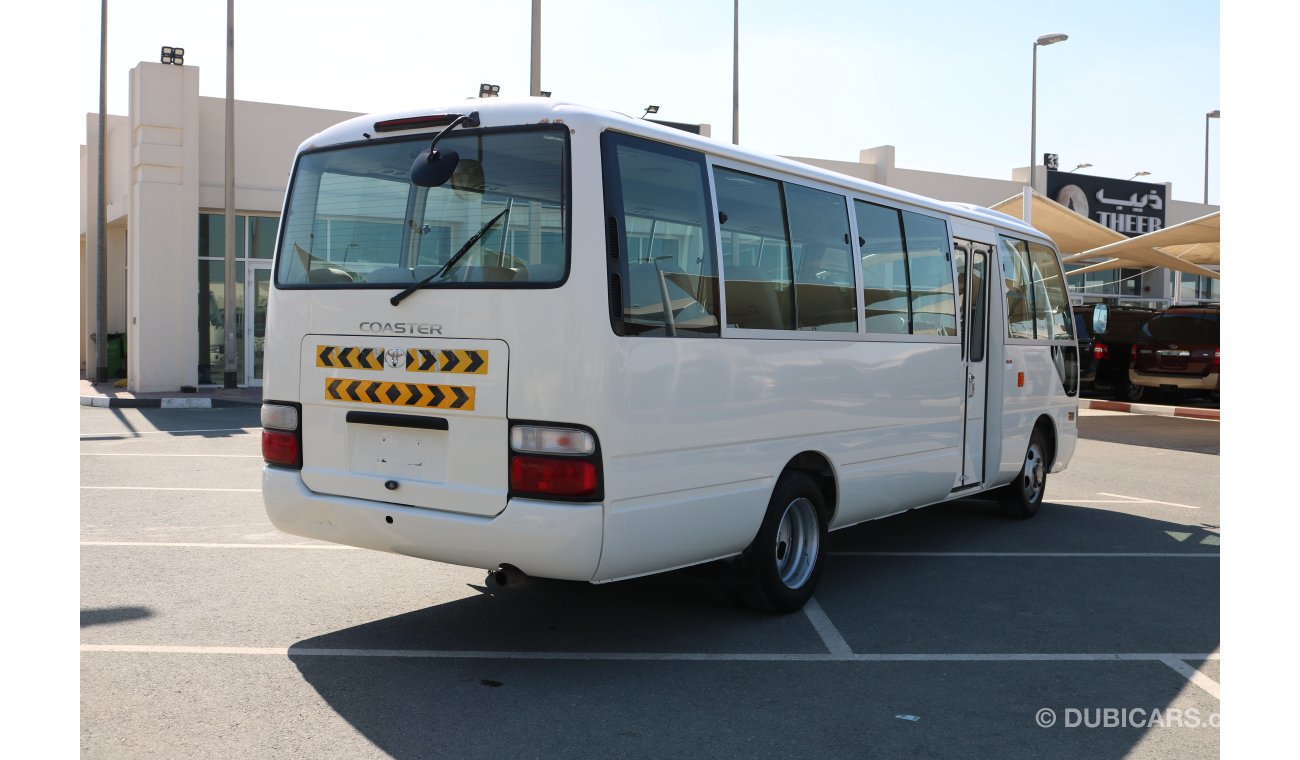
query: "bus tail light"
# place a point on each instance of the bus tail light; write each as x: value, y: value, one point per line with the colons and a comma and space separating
x: 282, y: 435
x: 554, y: 462
x: 552, y: 477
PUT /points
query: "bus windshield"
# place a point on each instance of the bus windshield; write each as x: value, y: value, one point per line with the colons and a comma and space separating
x: 354, y: 219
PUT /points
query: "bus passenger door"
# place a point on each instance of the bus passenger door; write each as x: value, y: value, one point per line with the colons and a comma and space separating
x: 972, y: 287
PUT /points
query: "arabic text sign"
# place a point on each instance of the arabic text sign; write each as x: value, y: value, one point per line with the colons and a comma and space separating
x: 1130, y: 208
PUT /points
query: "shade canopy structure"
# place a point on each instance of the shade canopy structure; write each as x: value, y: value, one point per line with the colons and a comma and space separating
x: 1072, y: 232
x: 1186, y: 247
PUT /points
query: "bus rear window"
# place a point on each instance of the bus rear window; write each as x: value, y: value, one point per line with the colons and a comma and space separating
x: 354, y: 218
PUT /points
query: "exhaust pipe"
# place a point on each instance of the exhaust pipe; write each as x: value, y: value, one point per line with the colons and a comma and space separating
x: 506, y: 575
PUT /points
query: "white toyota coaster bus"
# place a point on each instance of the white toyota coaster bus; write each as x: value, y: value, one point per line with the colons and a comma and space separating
x: 538, y: 338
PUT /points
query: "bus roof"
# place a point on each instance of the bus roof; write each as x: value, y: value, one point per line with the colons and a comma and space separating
x: 500, y: 112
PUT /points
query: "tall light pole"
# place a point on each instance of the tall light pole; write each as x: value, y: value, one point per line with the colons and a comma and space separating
x: 535, y: 85
x: 230, y: 380
x: 1046, y: 39
x: 1211, y: 115
x: 735, y: 73
x: 101, y: 212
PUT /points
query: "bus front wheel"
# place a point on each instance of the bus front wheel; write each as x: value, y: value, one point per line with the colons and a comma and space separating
x: 1022, y: 497
x: 780, y: 569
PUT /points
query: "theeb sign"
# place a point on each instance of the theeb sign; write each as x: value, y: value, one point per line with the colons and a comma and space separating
x: 1130, y: 208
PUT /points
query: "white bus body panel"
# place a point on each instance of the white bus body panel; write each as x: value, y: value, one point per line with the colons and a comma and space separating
x: 544, y: 539
x: 699, y: 448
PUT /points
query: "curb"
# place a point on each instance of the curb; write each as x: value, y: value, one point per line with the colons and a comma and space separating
x: 162, y: 403
x: 1151, y: 409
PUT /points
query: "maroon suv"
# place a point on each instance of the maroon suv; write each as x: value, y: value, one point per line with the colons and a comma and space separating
x: 1178, y: 350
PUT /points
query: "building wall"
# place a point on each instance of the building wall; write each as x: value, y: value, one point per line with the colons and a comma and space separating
x: 880, y: 165
x: 266, y: 138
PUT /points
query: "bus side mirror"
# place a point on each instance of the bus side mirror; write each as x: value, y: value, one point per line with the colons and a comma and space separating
x: 1100, y: 318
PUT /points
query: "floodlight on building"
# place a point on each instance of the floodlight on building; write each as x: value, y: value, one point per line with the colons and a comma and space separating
x: 649, y: 110
x: 489, y: 90
x: 173, y: 55
x: 1080, y: 166
x: 1140, y: 174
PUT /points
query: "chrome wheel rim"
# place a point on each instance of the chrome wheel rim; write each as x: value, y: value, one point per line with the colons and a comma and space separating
x: 1034, y: 475
x: 798, y: 539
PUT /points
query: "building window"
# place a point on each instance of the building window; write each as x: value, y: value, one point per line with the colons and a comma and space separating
x: 254, y: 241
x: 1193, y: 288
x: 1108, y: 282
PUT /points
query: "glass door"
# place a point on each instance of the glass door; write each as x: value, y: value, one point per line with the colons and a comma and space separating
x: 257, y: 290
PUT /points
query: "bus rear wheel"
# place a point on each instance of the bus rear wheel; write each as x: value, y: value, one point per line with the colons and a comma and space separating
x: 1022, y: 497
x: 780, y: 569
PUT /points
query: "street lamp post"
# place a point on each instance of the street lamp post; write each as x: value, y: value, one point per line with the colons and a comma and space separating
x: 735, y: 73
x: 1211, y: 115
x: 535, y: 71
x: 1046, y: 39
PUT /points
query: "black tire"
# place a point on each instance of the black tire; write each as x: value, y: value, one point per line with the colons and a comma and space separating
x: 1022, y: 497
x: 769, y: 578
x: 1132, y: 393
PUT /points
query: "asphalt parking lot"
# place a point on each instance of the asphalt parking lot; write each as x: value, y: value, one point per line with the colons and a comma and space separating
x: 1090, y: 631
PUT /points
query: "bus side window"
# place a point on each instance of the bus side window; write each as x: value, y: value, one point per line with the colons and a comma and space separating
x: 758, y: 296
x: 656, y: 199
x: 1052, y: 304
x: 824, y: 291
x: 884, y: 269
x: 930, y: 275
x: 1020, y: 299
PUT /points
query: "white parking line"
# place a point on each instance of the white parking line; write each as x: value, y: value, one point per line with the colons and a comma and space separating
x: 197, y: 545
x: 1209, y: 685
x: 1023, y: 554
x: 835, y: 643
x: 160, y: 488
x: 444, y: 654
x: 1119, y: 499
x: 829, y: 635
x: 134, y: 433
x: 1138, y: 499
x: 195, y: 456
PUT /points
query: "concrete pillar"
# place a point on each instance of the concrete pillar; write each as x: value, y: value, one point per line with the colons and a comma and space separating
x: 163, y: 251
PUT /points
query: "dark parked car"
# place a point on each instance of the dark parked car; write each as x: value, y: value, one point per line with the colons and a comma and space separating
x: 1104, y: 356
x: 1178, y: 352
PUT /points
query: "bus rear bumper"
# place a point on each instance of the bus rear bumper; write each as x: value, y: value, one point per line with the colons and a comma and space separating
x: 543, y: 539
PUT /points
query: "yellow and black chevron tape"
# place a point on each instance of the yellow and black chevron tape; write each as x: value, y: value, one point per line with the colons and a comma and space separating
x: 400, y: 394
x: 347, y: 357
x: 451, y: 360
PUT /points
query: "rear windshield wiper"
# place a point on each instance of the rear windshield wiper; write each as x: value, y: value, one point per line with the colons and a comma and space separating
x: 451, y: 262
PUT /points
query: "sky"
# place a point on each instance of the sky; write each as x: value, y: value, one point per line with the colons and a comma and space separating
x: 948, y: 83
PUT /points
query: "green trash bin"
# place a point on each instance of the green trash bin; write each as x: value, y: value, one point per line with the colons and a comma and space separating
x: 116, y: 355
